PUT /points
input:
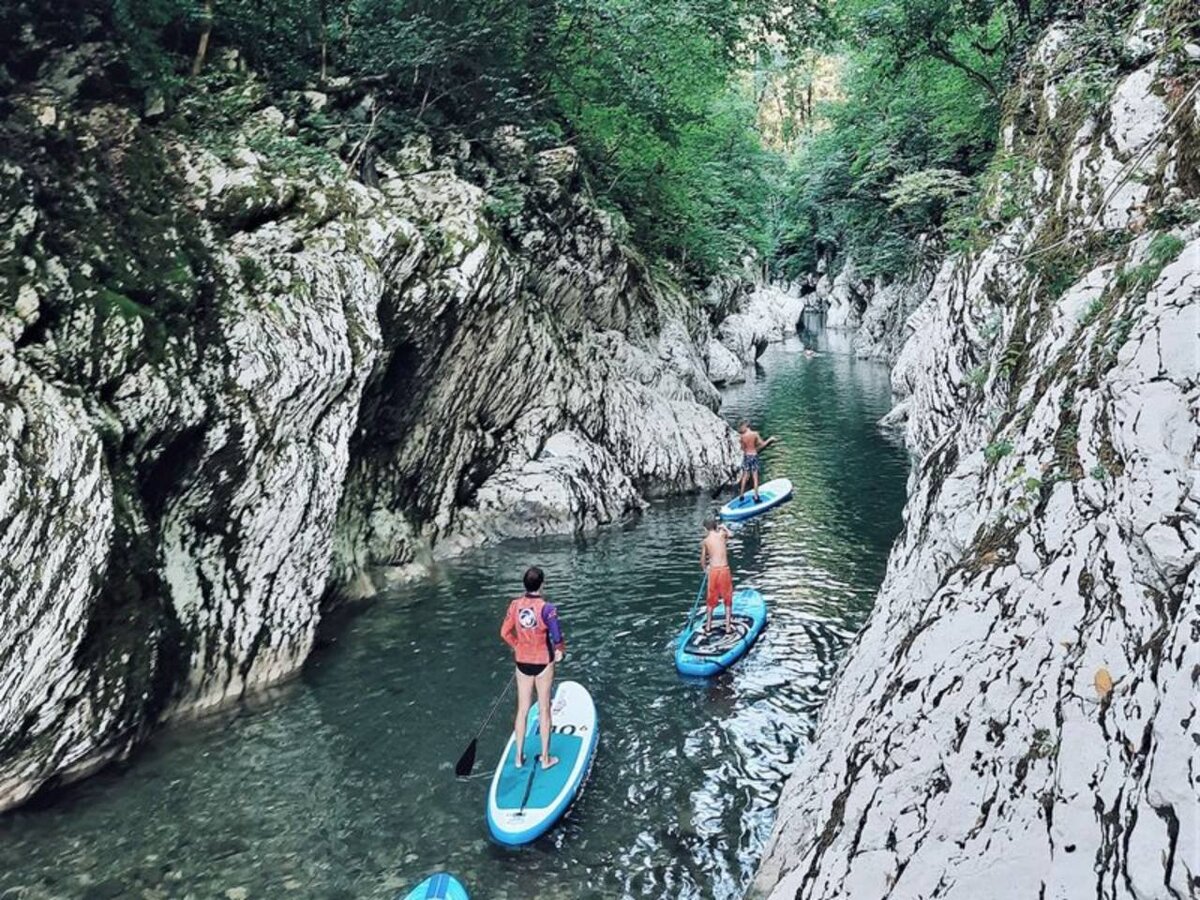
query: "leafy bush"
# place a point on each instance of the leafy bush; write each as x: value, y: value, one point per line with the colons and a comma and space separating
x: 910, y: 139
x: 996, y: 451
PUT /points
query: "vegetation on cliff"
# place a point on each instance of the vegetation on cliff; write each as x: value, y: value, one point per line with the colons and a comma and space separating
x: 652, y: 94
x: 666, y: 102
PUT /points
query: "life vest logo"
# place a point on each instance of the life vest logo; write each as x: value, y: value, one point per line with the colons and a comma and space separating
x: 527, y: 618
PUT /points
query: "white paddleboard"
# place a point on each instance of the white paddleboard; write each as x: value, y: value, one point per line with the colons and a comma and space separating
x: 523, y: 804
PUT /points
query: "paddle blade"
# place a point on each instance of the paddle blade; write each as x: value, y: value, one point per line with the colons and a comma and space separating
x: 466, y: 762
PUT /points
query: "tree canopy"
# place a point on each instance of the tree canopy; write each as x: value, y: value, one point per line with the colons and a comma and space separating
x: 715, y: 127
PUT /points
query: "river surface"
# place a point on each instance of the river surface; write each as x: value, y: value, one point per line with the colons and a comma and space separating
x: 342, y: 783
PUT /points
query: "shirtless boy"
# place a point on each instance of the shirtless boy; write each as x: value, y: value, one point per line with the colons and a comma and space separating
x: 714, y: 558
x: 752, y: 444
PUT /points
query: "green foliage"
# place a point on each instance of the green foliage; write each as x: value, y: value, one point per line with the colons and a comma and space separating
x: 653, y: 93
x: 505, y: 199
x: 664, y: 100
x: 927, y: 188
x: 1013, y: 356
x: 1093, y: 311
x: 251, y: 271
x: 653, y: 97
x: 1164, y: 249
x: 909, y: 141
x: 1117, y: 335
x: 996, y: 451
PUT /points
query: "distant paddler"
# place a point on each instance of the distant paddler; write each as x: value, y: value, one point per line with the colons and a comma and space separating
x: 752, y: 444
x: 532, y: 629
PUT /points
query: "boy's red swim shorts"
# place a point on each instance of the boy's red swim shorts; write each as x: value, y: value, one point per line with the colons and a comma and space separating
x: 720, y: 586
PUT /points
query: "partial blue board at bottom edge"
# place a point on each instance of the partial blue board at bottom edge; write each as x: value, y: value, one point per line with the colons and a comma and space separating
x: 439, y: 886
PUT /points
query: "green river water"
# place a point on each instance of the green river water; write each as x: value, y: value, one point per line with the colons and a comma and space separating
x: 341, y: 784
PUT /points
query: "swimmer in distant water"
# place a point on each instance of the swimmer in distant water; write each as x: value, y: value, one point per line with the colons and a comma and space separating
x: 752, y: 444
x: 714, y: 559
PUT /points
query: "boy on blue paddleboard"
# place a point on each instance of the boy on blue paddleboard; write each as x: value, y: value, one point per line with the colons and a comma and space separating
x: 714, y: 559
x: 752, y: 444
x: 531, y: 628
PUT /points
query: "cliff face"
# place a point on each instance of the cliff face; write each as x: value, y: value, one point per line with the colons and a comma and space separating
x: 231, y: 387
x: 1019, y: 717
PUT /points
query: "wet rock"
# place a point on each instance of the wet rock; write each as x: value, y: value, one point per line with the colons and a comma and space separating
x: 109, y: 889
x: 1018, y: 718
x: 361, y: 375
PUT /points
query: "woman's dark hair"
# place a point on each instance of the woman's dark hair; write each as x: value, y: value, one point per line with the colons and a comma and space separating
x: 533, y: 579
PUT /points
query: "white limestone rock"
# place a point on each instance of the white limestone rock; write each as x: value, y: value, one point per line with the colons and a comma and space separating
x: 881, y: 332
x: 378, y: 378
x: 1019, y: 717
x: 847, y: 298
x: 723, y: 365
x: 769, y: 314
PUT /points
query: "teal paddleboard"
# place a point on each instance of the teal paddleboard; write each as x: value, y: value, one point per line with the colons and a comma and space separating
x: 770, y: 495
x: 439, y: 886
x: 697, y: 653
x: 524, y: 803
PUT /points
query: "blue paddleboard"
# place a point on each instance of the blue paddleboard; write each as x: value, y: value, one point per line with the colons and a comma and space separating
x: 770, y: 494
x: 523, y: 804
x: 441, y: 886
x: 697, y: 654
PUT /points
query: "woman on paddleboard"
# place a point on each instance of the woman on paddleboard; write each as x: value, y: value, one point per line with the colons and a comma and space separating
x: 531, y: 628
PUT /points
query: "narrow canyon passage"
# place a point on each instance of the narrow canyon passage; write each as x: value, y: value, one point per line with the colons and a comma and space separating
x: 342, y: 785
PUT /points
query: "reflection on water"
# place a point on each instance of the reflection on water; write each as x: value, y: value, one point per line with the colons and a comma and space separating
x: 343, y: 786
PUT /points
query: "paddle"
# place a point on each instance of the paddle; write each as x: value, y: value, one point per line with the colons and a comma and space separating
x: 699, y: 594
x: 466, y: 762
x: 720, y: 488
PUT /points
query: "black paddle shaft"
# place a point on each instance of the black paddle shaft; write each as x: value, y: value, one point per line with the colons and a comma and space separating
x: 466, y: 762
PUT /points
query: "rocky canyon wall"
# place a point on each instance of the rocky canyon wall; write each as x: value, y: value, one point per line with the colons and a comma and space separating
x: 236, y: 383
x: 1019, y: 716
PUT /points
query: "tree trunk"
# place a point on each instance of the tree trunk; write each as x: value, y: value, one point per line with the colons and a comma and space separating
x: 206, y: 32
x: 974, y: 74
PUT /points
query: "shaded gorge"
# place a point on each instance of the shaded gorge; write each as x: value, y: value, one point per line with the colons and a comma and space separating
x: 341, y: 783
